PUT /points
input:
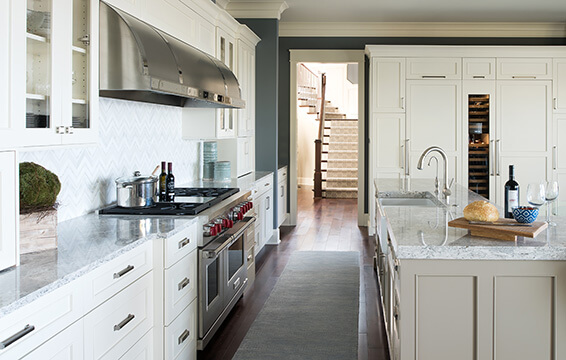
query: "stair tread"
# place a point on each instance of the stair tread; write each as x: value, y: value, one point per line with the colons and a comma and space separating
x: 340, y: 189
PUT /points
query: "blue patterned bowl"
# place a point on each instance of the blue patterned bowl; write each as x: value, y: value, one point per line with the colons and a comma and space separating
x: 525, y: 214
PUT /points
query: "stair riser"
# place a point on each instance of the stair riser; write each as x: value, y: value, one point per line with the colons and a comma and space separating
x: 337, y: 147
x: 341, y: 164
x: 342, y: 131
x: 343, y: 155
x: 341, y: 183
x: 351, y: 138
x: 341, y: 174
x: 349, y: 123
x: 340, y: 194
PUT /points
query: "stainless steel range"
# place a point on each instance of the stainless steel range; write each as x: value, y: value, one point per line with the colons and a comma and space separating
x: 227, y: 217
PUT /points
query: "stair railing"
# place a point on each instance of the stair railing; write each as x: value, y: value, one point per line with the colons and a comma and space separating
x: 318, y: 142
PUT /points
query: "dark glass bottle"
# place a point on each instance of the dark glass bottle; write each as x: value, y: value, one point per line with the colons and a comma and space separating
x: 511, y: 193
x: 170, y: 181
x: 163, y: 183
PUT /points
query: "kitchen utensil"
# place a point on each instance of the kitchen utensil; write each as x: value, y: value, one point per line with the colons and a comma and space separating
x: 500, y: 232
x: 136, y: 191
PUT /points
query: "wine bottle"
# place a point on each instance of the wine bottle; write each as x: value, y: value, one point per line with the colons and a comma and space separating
x: 163, y: 183
x: 511, y: 193
x: 170, y: 181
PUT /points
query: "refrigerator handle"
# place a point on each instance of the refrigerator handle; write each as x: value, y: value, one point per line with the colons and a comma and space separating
x: 492, y: 162
x: 554, y: 158
x: 497, y: 155
x: 407, y: 172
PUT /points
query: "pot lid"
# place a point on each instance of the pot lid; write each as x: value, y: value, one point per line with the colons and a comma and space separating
x: 135, y: 180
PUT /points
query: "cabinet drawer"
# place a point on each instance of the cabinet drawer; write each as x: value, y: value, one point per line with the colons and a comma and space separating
x: 250, y: 236
x: 282, y: 174
x: 250, y: 261
x: 180, y: 286
x: 264, y: 184
x: 478, y: 68
x: 180, y: 336
x: 115, y: 326
x: 67, y: 345
x: 113, y: 277
x: 524, y: 68
x: 180, y: 245
x: 434, y: 68
x: 35, y: 323
x: 142, y: 350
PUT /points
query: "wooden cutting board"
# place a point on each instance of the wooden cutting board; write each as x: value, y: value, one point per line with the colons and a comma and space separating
x: 498, y: 231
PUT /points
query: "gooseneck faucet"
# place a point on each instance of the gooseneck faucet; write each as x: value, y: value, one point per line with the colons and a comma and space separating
x: 446, y: 189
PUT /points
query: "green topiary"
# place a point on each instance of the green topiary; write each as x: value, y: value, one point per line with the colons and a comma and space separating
x: 39, y: 188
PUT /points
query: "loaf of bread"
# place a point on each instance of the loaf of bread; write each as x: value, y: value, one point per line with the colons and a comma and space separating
x: 481, y: 211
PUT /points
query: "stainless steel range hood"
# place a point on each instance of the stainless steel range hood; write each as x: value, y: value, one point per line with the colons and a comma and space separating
x: 139, y: 62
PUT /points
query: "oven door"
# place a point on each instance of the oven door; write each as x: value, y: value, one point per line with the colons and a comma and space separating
x: 211, y: 289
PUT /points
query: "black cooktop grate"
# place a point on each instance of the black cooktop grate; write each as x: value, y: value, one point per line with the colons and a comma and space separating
x: 177, y: 208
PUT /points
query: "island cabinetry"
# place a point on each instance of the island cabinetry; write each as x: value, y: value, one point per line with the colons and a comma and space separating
x: 67, y: 345
x: 473, y: 309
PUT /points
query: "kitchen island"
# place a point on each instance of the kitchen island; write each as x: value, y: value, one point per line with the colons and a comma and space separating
x: 449, y: 295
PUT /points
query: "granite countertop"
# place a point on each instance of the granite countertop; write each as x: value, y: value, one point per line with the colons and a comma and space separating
x: 84, y: 243
x: 422, y: 232
x: 244, y: 183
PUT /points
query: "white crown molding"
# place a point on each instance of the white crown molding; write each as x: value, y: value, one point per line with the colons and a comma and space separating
x: 422, y: 29
x: 222, y: 3
x: 256, y: 9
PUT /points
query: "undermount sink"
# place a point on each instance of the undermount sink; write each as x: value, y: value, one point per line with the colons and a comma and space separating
x: 421, y: 199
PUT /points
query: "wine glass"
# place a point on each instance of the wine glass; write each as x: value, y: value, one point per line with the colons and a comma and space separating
x: 551, y: 194
x: 536, y: 194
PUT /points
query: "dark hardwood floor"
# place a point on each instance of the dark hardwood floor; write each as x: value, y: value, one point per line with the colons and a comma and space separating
x: 324, y: 225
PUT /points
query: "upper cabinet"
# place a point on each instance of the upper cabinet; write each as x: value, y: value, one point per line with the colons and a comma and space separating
x: 226, y: 52
x: 524, y: 68
x: 559, y: 86
x: 388, y: 78
x: 245, y: 72
x: 478, y: 68
x: 54, y: 77
x: 434, y: 68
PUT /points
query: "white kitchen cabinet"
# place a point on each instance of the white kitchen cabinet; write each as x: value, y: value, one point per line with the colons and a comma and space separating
x: 478, y: 68
x: 180, y: 335
x: 523, y: 132
x: 9, y: 209
x: 388, y: 143
x: 263, y: 202
x: 433, y: 118
x: 434, y: 68
x: 282, y: 195
x: 115, y: 326
x: 58, y: 104
x: 226, y: 52
x: 524, y: 68
x: 246, y: 76
x: 388, y: 85
x: 67, y: 345
x: 559, y: 85
x: 559, y: 153
x: 240, y: 152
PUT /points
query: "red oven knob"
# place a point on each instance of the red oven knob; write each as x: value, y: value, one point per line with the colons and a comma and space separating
x: 251, y: 204
x: 240, y: 215
x: 230, y: 223
x: 224, y: 222
x: 218, y: 228
x: 213, y: 231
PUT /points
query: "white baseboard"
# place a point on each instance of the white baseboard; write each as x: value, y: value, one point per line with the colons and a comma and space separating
x: 305, y: 181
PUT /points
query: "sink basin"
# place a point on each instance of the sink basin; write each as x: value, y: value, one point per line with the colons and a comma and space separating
x: 408, y: 202
x: 421, y: 199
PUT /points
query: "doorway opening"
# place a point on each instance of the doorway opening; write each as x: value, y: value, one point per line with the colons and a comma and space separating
x: 335, y: 167
x: 338, y: 126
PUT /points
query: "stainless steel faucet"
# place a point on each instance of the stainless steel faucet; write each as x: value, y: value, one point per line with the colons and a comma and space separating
x: 446, y: 189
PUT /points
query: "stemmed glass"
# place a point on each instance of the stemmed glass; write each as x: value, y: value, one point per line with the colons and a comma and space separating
x: 551, y: 194
x: 536, y: 194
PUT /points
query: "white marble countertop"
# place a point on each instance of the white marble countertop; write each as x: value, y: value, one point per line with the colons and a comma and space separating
x: 423, y: 233
x: 84, y: 243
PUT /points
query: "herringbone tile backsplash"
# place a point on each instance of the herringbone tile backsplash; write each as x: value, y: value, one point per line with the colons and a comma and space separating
x: 133, y: 136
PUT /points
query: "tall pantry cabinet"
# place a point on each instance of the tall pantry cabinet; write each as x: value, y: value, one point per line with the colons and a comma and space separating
x: 487, y: 107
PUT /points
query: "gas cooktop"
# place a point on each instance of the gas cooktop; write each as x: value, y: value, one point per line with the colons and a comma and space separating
x: 188, y: 201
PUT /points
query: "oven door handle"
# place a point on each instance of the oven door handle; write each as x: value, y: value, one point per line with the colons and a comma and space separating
x: 212, y: 254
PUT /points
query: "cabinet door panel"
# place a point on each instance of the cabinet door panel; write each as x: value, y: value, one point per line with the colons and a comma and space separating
x: 478, y: 68
x: 67, y: 345
x: 423, y: 68
x: 559, y: 85
x: 389, y: 142
x: 523, y: 116
x: 388, y: 81
x: 514, y: 334
x: 447, y: 329
x: 8, y: 209
x: 524, y: 68
x: 433, y: 114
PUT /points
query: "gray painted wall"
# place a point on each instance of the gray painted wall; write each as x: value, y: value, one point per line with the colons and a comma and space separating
x: 357, y: 43
x: 267, y: 79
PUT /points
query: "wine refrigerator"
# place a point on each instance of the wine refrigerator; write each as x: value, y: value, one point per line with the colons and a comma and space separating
x: 478, y: 143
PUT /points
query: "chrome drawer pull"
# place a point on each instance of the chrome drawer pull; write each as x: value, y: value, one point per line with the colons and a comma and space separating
x: 184, y: 336
x: 250, y: 257
x: 121, y: 273
x: 17, y: 336
x: 124, y: 322
x: 183, y: 284
x: 184, y: 243
x: 237, y: 283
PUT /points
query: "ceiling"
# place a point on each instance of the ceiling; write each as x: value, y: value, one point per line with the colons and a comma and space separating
x: 424, y: 11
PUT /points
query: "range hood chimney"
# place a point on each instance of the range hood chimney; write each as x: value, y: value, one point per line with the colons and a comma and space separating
x: 141, y: 63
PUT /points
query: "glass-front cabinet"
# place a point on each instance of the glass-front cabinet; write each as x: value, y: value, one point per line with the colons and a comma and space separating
x: 61, y: 72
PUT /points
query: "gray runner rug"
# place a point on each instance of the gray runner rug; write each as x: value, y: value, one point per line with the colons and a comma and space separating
x: 312, y: 313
